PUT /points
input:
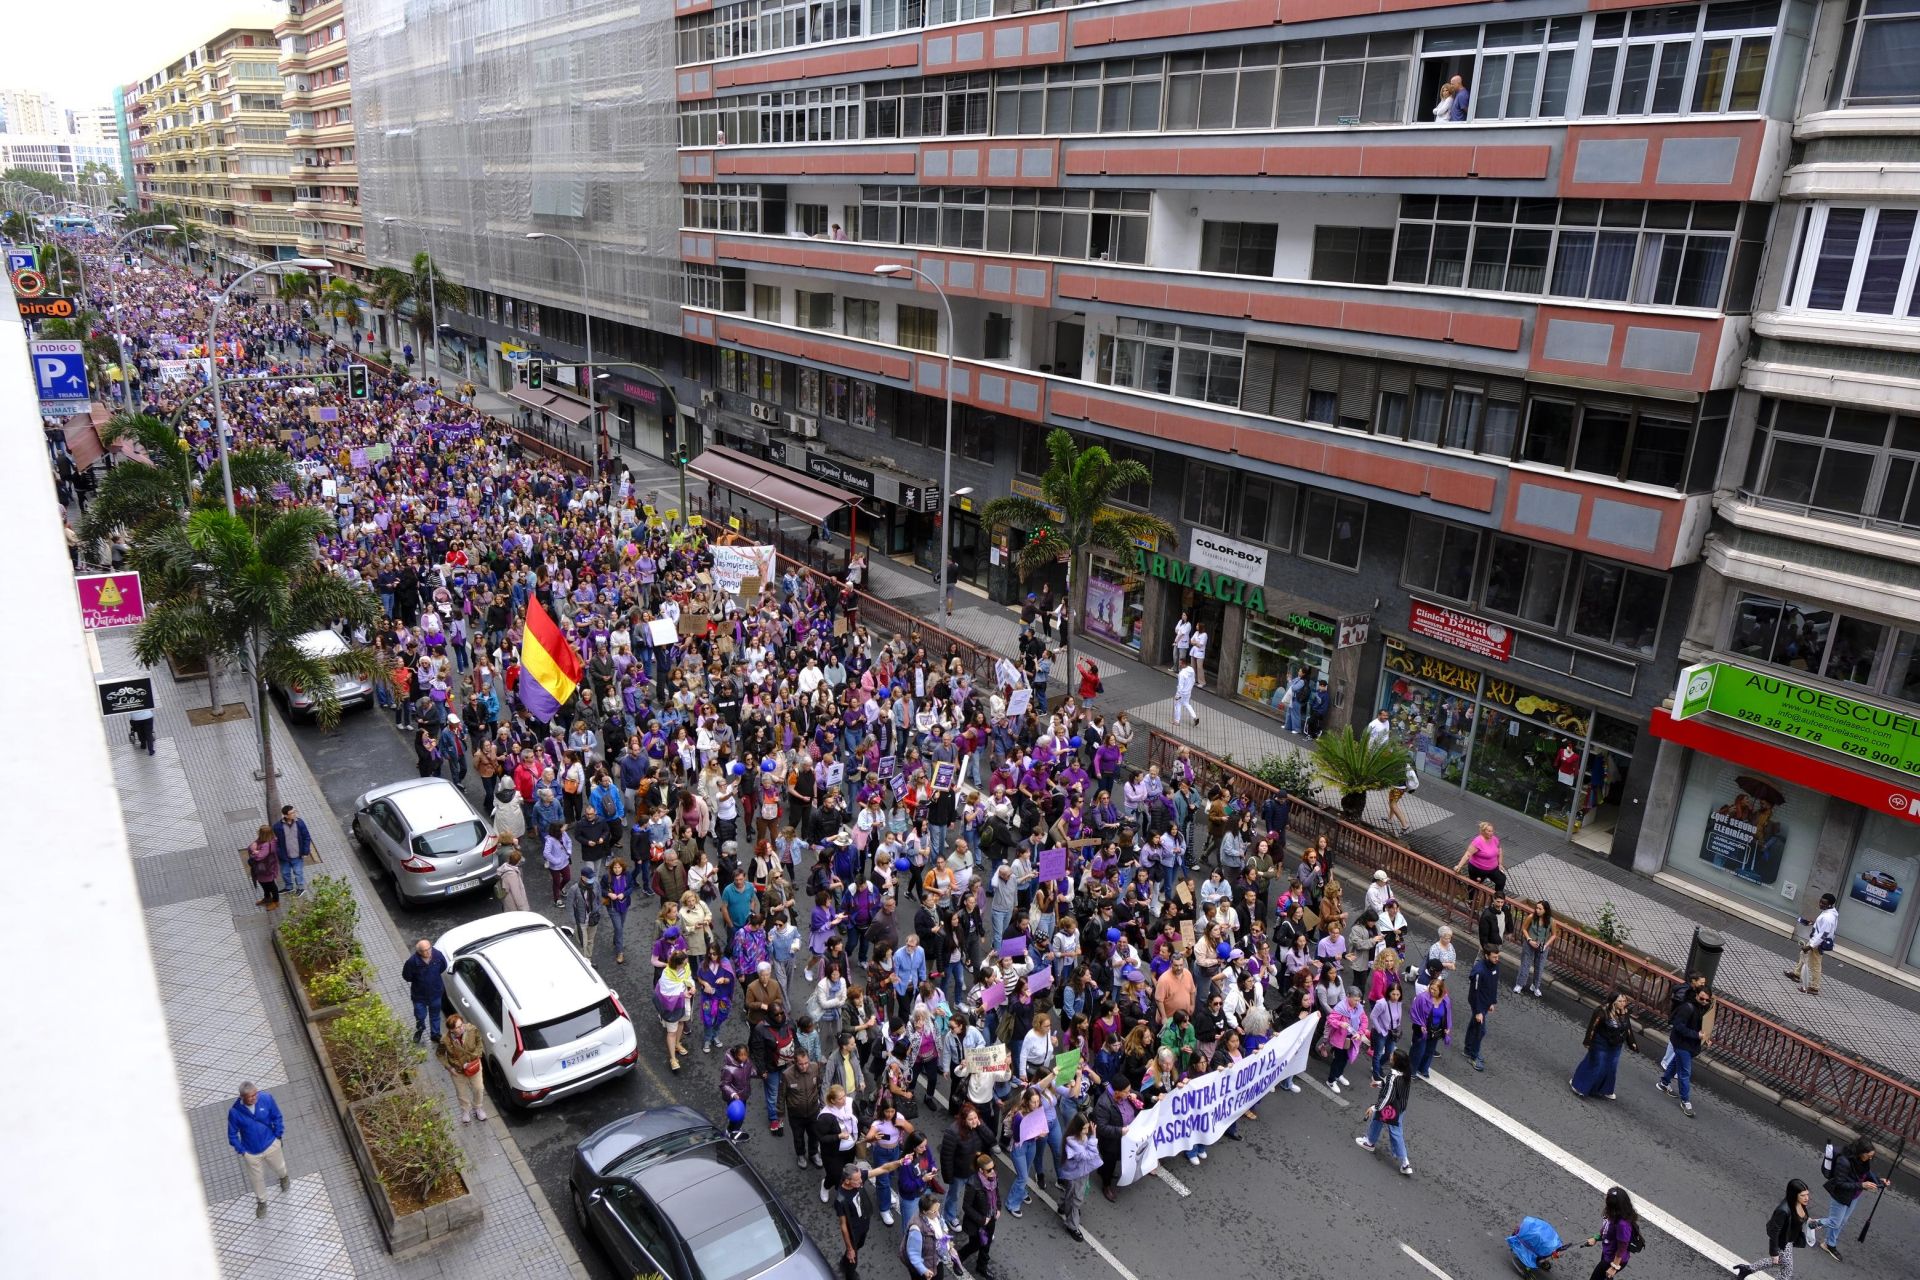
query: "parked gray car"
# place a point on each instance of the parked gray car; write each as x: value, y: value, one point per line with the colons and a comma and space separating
x: 428, y: 836
x: 664, y: 1191
x: 350, y: 690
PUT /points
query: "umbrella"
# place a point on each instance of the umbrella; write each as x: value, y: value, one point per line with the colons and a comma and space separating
x: 1760, y: 789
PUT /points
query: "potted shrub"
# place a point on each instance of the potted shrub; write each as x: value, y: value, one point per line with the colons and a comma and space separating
x: 317, y: 937
x: 371, y: 1051
x: 1354, y: 766
x: 1289, y: 771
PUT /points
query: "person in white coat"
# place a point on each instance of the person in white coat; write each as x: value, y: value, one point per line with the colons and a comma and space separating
x: 1197, y: 650
x: 1183, y: 692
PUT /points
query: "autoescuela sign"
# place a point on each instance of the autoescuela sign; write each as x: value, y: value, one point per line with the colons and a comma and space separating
x: 1878, y: 735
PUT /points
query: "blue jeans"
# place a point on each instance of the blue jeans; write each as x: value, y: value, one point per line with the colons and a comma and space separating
x: 1024, y: 1155
x: 772, y: 1087
x: 1395, y: 1138
x: 293, y: 874
x: 1837, y: 1215
x: 1424, y: 1047
x: 425, y: 1010
x: 997, y: 921
x: 1382, y: 1052
x: 950, y: 1203
x: 618, y: 919
x: 1681, y: 1069
x: 883, y: 1185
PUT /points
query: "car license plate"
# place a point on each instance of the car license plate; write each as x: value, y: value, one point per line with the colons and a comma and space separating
x: 579, y: 1058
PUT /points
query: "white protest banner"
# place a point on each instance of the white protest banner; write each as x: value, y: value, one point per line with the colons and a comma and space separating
x: 734, y: 565
x: 1200, y: 1111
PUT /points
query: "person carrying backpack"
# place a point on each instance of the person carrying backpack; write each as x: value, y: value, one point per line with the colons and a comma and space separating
x: 1848, y: 1175
x: 1821, y: 932
x: 1619, y: 1235
x: 927, y: 1244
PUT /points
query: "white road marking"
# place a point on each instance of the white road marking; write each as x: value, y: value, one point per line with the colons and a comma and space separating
x: 1722, y: 1257
x: 1179, y: 1187
x: 1338, y: 1101
x: 1413, y: 1253
x: 1106, y: 1253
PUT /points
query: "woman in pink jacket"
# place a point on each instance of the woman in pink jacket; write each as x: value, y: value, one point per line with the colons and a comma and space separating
x: 1347, y: 1037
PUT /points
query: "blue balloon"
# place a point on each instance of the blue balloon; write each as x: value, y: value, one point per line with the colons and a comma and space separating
x: 1113, y: 935
x: 736, y: 1112
x: 767, y: 766
x: 1224, y: 951
x: 1074, y: 742
x: 738, y: 768
x: 903, y: 864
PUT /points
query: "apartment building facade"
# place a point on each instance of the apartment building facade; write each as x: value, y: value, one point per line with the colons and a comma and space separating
x: 320, y: 135
x: 1800, y: 775
x: 209, y: 136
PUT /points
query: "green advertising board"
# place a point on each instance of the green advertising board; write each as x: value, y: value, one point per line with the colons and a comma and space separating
x: 1875, y: 734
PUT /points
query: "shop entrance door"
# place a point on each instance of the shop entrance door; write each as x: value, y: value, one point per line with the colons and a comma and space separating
x: 969, y: 548
x: 1209, y: 615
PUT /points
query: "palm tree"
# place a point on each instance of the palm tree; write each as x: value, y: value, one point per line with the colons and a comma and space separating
x: 391, y: 291
x: 295, y: 286
x: 1072, y: 515
x: 245, y: 589
x: 1357, y: 765
x: 395, y: 290
x: 140, y: 494
x: 343, y: 300
x: 14, y: 226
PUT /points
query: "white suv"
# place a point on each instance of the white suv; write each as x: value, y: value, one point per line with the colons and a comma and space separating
x: 553, y: 1026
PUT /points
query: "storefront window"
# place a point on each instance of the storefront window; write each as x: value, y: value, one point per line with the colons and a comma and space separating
x: 1116, y: 604
x: 1876, y: 902
x: 1524, y: 765
x: 1744, y: 832
x: 1431, y: 705
x: 1270, y: 652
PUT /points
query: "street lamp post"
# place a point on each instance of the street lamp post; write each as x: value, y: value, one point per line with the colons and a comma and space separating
x: 126, y: 370
x: 896, y: 269
x: 213, y: 359
x: 586, y: 311
x: 669, y: 411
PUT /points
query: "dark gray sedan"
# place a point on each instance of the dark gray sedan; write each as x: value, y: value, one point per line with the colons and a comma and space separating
x: 663, y: 1190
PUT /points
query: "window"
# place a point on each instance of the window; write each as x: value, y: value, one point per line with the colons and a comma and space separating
x: 1172, y: 360
x: 1034, y: 458
x: 1524, y: 68
x: 1441, y: 558
x: 1526, y: 581
x: 1817, y: 640
x: 1265, y: 511
x: 725, y: 207
x: 1238, y: 248
x: 1344, y: 80
x: 1879, y: 55
x: 1851, y: 464
x: 1647, y: 442
x: 1120, y: 95
x: 1224, y: 88
x: 1619, y: 606
x: 1352, y: 255
x: 1860, y: 260
x: 919, y: 327
x: 766, y: 302
x: 997, y: 336
x: 927, y: 106
x: 827, y: 114
x: 813, y: 310
x: 1205, y: 500
x: 860, y: 318
x: 716, y: 288
x: 1079, y: 224
x: 1331, y: 529
x: 1662, y: 61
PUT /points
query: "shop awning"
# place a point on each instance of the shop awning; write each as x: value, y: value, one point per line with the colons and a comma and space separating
x: 1797, y: 763
x: 785, y: 491
x: 552, y: 403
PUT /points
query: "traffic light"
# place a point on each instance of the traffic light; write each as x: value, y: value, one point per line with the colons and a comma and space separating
x: 536, y: 374
x: 357, y: 381
x: 680, y: 456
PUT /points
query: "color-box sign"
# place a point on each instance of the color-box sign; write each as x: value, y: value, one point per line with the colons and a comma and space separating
x: 1868, y: 732
x: 1477, y: 636
x: 110, y: 600
x: 1222, y: 554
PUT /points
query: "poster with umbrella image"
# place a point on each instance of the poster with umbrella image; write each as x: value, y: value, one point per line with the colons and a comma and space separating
x: 1746, y: 834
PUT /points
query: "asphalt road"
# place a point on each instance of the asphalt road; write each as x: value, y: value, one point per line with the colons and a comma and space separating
x: 1297, y: 1198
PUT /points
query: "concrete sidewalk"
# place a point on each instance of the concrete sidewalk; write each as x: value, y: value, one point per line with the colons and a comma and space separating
x: 1858, y: 1011
x: 189, y: 808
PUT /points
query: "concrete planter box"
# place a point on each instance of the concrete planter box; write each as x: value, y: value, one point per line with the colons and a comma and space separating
x: 309, y: 1012
x: 404, y: 1231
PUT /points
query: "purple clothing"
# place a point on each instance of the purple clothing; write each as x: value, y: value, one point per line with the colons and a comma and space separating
x: 1616, y: 1241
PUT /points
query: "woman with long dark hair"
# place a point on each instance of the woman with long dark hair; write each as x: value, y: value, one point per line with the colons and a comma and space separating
x: 1618, y: 1237
x: 1609, y: 1030
x: 1790, y: 1226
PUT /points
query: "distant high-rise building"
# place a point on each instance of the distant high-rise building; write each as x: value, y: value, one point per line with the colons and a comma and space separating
x: 31, y: 112
x: 326, y: 182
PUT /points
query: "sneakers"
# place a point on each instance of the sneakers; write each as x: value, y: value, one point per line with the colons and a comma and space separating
x: 1479, y: 1064
x: 1665, y: 1087
x: 825, y: 1195
x: 773, y: 1126
x: 1687, y: 1107
x: 1192, y: 1159
x: 1363, y: 1144
x: 1536, y: 993
x: 1015, y: 1212
x: 1793, y: 974
x: 818, y: 1163
x: 417, y: 1033
x: 260, y: 1211
x: 1406, y: 1169
x: 479, y: 1113
x: 1293, y: 1086
x: 466, y: 1117
x: 1344, y: 1084
x: 706, y: 1046
x: 286, y: 1184
x: 886, y: 1216
x: 1516, y: 988
x: 801, y: 1162
x: 1334, y: 1085
x: 1830, y: 1251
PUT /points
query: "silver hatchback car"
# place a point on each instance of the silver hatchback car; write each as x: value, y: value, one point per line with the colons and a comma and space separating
x: 428, y: 837
x: 350, y: 690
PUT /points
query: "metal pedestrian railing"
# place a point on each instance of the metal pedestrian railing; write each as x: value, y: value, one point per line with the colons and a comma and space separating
x: 1797, y: 1067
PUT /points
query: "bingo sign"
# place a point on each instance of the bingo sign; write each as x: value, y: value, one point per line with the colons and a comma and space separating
x: 1461, y: 630
x: 110, y: 600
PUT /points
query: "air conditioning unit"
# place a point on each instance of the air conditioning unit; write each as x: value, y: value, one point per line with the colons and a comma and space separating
x: 807, y: 428
x: 709, y: 398
x: 765, y: 412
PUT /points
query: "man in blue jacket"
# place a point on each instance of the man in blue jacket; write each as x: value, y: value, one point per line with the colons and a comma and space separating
x: 426, y: 972
x: 254, y: 1130
x: 1483, y: 996
x: 295, y: 844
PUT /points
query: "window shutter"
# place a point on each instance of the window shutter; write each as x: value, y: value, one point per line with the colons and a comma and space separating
x: 1256, y: 379
x: 1357, y: 378
x: 1423, y: 376
x: 1396, y: 379
x: 1324, y: 372
x: 1289, y: 383
x: 1508, y: 390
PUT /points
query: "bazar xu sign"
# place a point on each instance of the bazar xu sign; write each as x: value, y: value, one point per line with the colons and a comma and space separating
x: 1224, y: 587
x: 1863, y: 730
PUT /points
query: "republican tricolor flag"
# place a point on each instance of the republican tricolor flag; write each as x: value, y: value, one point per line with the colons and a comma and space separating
x: 549, y: 668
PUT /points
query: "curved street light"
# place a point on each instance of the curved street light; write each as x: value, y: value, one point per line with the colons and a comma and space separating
x: 894, y: 270
x: 278, y: 266
x: 586, y: 311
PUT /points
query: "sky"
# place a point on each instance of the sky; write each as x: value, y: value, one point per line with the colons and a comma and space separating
x: 113, y: 42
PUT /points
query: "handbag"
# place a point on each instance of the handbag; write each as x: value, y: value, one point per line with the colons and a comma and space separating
x: 1389, y: 1113
x: 471, y: 1069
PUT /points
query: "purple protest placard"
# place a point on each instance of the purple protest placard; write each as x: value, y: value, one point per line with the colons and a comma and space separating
x: 992, y: 996
x: 1052, y: 865
x: 1014, y: 946
x: 328, y: 414
x: 1033, y: 1124
x: 1039, y: 980
x: 358, y: 457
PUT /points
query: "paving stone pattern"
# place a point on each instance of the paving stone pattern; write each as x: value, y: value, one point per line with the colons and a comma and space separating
x: 190, y: 807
